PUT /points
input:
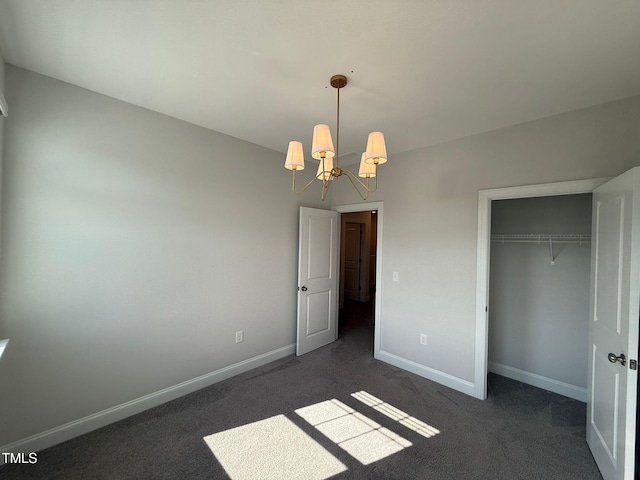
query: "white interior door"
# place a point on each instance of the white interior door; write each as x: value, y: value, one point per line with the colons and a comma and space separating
x: 613, y: 325
x: 317, y: 279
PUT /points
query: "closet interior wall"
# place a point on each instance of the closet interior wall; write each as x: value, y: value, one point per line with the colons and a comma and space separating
x: 538, y: 310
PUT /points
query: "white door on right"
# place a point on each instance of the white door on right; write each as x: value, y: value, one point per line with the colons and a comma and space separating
x: 613, y: 325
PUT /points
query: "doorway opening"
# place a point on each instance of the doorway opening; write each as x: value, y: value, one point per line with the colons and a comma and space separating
x: 361, y: 272
x: 358, y: 250
x: 540, y: 261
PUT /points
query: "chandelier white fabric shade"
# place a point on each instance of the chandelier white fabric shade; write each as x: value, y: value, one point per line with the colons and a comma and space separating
x: 367, y: 170
x: 295, y: 157
x: 376, y: 152
x: 328, y: 168
x: 322, y: 143
x: 326, y: 173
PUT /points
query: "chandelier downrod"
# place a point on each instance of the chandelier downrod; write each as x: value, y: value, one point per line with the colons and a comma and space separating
x: 338, y: 82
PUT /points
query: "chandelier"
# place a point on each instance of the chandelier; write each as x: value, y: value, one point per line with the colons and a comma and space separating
x: 329, y: 164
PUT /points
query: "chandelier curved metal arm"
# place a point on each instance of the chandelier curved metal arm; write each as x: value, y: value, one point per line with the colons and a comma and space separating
x: 322, y: 150
x: 327, y: 178
x: 352, y: 176
x: 293, y: 184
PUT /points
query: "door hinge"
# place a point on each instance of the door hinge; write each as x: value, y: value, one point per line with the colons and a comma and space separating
x: 633, y: 364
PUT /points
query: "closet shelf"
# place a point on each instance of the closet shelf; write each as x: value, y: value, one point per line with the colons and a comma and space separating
x: 575, y: 238
x: 544, y: 238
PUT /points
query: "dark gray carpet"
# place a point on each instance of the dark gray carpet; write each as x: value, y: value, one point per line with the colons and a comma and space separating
x: 519, y: 432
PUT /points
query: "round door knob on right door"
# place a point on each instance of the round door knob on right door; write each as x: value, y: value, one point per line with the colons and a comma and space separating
x: 613, y: 358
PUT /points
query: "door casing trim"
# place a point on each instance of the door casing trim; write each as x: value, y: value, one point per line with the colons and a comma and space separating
x: 485, y: 197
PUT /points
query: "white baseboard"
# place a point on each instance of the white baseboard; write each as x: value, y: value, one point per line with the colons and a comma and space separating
x: 556, y: 386
x: 436, y: 375
x: 97, y: 420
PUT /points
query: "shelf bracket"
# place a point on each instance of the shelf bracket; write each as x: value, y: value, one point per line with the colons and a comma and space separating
x: 553, y: 259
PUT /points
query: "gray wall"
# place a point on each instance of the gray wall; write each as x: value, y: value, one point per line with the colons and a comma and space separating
x: 1, y: 69
x: 538, y: 316
x: 430, y: 220
x: 135, y: 245
x: 2, y: 122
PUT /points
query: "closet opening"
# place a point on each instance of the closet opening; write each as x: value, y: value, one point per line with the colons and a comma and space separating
x: 540, y: 260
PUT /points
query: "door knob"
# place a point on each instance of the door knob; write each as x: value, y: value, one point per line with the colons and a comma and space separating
x: 621, y: 358
x: 304, y: 289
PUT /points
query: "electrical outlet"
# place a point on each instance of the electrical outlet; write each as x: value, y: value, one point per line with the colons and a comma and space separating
x: 240, y: 336
x: 423, y: 339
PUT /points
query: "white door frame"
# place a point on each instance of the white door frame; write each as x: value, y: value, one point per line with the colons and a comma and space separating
x: 485, y: 197
x: 362, y: 207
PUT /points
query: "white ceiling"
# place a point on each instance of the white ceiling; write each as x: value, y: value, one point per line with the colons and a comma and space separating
x: 421, y: 71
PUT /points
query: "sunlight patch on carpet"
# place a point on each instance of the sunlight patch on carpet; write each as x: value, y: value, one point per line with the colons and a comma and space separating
x: 274, y: 448
x: 361, y: 437
x: 396, y: 414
